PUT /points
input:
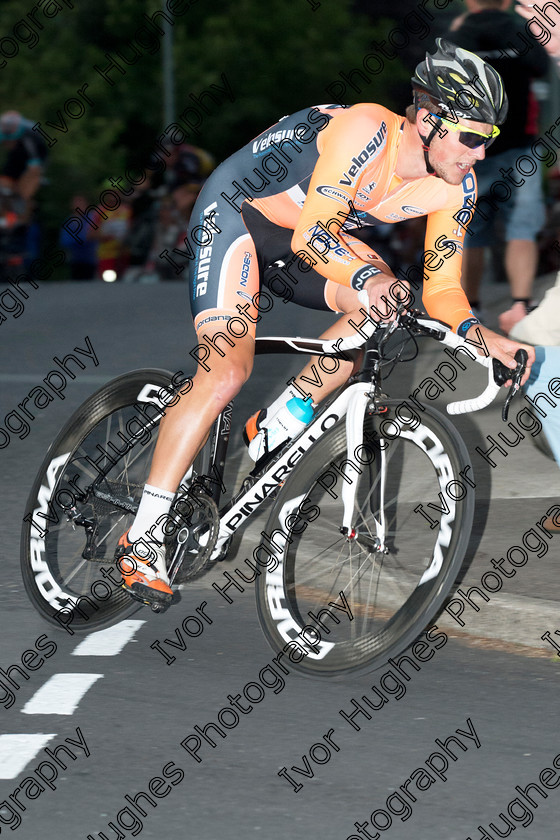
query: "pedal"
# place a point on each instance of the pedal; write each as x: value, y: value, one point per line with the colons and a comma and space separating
x: 134, y: 596
x: 159, y: 602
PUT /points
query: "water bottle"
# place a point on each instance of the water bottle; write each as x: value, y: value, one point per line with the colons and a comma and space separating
x: 285, y: 424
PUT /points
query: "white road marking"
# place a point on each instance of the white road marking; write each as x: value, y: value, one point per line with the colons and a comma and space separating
x: 60, y: 695
x: 93, y: 378
x: 108, y: 642
x: 16, y: 751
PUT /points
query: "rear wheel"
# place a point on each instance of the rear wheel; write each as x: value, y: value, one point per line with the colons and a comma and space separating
x: 84, y: 497
x: 389, y: 579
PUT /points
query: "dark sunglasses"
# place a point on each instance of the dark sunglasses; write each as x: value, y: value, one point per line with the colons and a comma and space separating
x: 469, y: 136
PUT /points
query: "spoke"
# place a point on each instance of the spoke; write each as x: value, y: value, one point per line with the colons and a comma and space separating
x: 334, y: 587
x: 111, y: 529
x: 125, y: 464
x: 138, y: 454
x: 365, y: 620
x: 376, y: 585
x: 312, y: 577
x: 68, y: 578
x: 108, y: 432
x: 358, y: 570
x: 84, y: 468
x: 317, y: 556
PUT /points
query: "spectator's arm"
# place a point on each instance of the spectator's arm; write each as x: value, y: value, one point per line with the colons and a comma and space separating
x: 552, y: 42
x: 457, y: 22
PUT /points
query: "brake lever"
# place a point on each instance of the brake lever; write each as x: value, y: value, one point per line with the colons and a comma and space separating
x: 387, y: 333
x: 503, y: 373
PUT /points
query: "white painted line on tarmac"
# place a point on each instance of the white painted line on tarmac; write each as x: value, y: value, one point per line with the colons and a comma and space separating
x: 95, y: 378
x: 16, y: 751
x: 108, y: 642
x: 60, y: 695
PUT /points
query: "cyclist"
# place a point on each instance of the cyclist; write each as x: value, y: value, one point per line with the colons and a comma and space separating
x: 27, y: 152
x: 21, y: 173
x: 283, y: 212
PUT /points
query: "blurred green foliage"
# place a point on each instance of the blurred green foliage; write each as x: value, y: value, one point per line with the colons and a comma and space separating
x: 278, y: 56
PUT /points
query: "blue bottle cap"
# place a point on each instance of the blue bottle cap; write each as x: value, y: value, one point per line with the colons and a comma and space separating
x: 301, y: 409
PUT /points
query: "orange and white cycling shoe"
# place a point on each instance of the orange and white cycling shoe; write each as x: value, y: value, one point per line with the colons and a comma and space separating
x: 144, y: 578
x: 253, y: 426
x: 552, y: 524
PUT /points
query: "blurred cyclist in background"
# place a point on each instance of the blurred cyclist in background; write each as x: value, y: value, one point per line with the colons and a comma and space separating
x: 27, y: 152
x: 20, y: 179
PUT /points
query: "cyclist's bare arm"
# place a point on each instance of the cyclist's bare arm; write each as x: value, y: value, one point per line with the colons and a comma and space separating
x: 444, y: 297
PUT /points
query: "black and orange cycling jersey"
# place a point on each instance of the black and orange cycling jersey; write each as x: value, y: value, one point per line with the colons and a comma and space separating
x: 284, y: 208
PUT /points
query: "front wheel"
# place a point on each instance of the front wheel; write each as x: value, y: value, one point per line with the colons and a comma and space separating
x: 346, y: 602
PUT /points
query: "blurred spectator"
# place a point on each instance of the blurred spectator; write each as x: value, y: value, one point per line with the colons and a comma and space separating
x: 542, y: 325
x: 112, y: 236
x: 12, y: 233
x: 82, y: 256
x: 127, y: 244
x: 144, y: 203
x: 169, y: 234
x: 187, y: 170
x: 188, y: 165
x: 500, y: 38
x: 551, y: 35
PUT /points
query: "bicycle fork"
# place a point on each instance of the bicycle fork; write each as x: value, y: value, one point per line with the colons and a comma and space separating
x: 355, y: 417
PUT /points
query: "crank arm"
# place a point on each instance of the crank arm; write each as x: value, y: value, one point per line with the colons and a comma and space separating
x: 176, y: 559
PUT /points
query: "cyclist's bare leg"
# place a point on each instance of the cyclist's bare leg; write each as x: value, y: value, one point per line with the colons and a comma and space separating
x: 521, y: 260
x: 185, y: 426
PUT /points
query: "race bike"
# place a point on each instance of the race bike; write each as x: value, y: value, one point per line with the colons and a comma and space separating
x: 371, y: 505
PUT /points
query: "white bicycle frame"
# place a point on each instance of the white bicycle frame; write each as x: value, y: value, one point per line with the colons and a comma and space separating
x: 352, y: 404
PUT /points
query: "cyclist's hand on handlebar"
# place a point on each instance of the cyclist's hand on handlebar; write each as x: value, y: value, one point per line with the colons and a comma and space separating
x: 385, y: 293
x: 499, y: 347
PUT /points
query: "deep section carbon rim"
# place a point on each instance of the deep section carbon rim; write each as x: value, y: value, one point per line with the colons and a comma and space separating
x: 67, y: 553
x: 407, y: 478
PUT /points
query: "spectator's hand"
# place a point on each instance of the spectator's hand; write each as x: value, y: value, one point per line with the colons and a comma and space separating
x: 457, y: 22
x: 501, y: 348
x: 552, y: 46
x: 508, y: 319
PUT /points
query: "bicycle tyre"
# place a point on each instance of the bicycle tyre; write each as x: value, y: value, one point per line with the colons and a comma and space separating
x: 56, y: 575
x: 302, y: 543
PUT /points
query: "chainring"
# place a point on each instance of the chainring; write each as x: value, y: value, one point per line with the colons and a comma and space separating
x: 193, y: 543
